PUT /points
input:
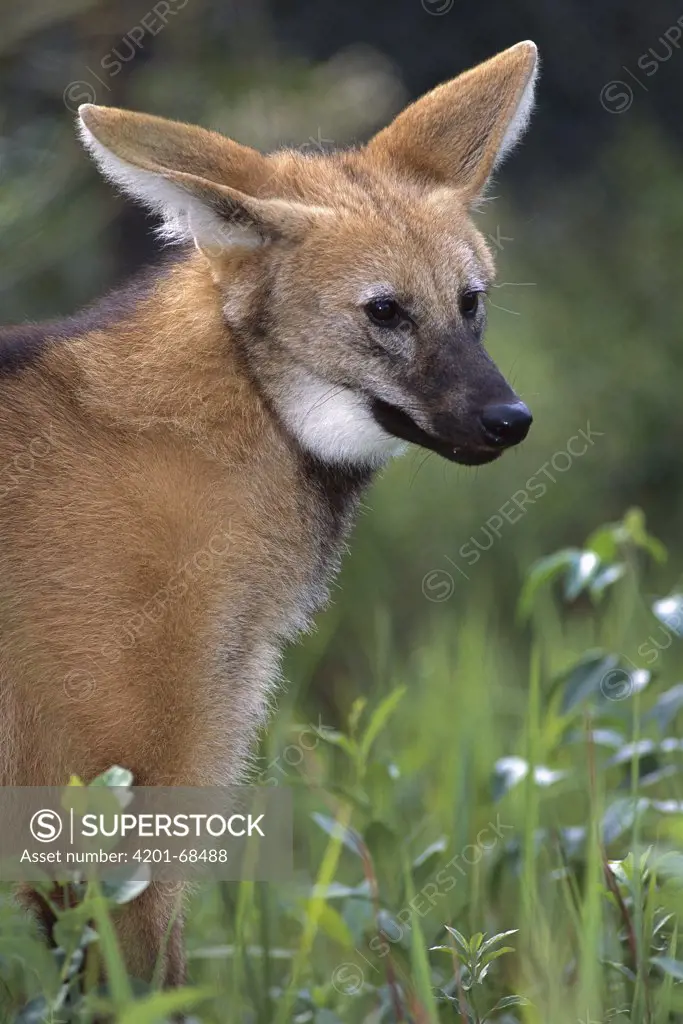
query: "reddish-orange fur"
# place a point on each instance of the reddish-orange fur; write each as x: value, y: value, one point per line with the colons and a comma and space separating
x: 162, y: 533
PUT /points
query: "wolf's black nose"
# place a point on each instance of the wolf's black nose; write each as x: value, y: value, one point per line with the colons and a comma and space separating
x: 506, y: 425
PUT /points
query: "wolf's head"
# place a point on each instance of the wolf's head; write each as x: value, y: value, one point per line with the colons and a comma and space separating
x: 353, y: 282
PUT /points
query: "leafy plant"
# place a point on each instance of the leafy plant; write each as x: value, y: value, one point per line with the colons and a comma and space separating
x: 546, y: 827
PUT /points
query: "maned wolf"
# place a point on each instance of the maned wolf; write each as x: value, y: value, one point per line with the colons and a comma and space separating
x: 183, y: 461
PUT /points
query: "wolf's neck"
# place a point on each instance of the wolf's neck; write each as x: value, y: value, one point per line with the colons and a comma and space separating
x: 173, y: 360
x: 170, y: 360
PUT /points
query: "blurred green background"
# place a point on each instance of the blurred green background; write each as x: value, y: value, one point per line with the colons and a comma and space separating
x: 586, y: 221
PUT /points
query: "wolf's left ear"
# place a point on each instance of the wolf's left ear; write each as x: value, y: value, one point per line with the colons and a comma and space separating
x: 460, y: 132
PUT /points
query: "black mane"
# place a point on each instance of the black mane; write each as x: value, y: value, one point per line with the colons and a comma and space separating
x: 24, y: 344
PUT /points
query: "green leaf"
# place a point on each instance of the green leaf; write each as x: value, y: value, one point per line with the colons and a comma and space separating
x: 156, y: 1008
x: 645, y: 748
x: 380, y: 785
x: 337, y: 830
x: 670, y: 866
x: 379, y: 717
x: 339, y: 739
x: 605, y: 541
x: 587, y: 679
x: 542, y: 572
x: 334, y: 925
x: 620, y: 816
x: 119, y: 982
x: 418, y: 957
x: 674, y: 968
x: 669, y: 611
x: 507, y: 1001
x: 126, y: 890
x: 605, y: 578
x: 459, y: 938
x: 634, y: 526
x: 397, y: 932
x: 426, y: 863
x: 509, y: 771
x: 359, y: 915
x: 494, y: 954
x: 600, y: 737
x: 495, y: 939
x: 349, y: 837
x: 69, y: 928
x: 114, y: 777
x: 664, y: 997
x: 580, y: 572
x: 667, y: 707
x: 357, y: 709
x: 620, y: 968
x: 439, y: 846
x: 35, y: 1012
x: 324, y: 1016
x: 382, y: 842
x: 337, y: 891
x: 608, y: 540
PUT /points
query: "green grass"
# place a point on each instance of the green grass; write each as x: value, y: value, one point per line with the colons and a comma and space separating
x: 474, y: 843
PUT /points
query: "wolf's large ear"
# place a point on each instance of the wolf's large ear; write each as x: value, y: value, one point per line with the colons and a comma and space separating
x: 457, y: 134
x: 204, y: 185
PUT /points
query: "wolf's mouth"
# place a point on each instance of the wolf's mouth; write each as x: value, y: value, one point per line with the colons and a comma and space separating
x: 399, y: 424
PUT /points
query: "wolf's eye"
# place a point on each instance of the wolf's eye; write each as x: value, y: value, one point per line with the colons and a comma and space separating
x: 469, y: 304
x: 385, y: 312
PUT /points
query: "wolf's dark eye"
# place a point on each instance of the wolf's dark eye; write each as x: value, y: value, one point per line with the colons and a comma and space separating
x: 469, y: 304
x: 385, y: 312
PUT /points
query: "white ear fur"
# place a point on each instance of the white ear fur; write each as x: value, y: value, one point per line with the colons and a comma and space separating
x: 457, y: 134
x: 184, y: 216
x: 522, y: 115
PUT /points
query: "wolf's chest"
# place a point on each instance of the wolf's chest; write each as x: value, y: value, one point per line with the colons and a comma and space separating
x: 272, y: 594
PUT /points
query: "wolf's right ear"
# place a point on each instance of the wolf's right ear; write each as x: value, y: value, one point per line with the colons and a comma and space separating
x: 460, y: 132
x: 205, y: 186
